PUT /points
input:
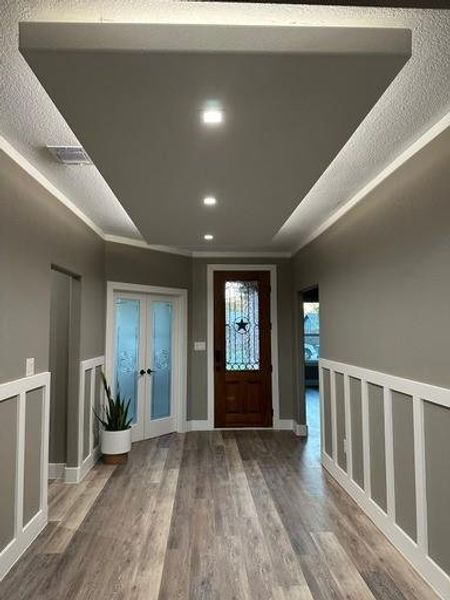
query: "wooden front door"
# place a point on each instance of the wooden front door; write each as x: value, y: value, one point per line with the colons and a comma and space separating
x: 242, y: 356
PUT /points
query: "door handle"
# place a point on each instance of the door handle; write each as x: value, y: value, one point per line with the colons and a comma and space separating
x: 142, y: 372
x: 150, y: 371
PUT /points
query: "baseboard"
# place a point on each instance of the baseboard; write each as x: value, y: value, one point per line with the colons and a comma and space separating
x: 56, y: 470
x: 284, y: 424
x: 300, y: 430
x: 281, y: 424
x: 77, y: 474
x: 198, y: 425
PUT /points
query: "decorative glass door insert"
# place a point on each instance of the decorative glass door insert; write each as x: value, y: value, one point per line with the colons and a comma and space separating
x: 242, y: 349
x: 242, y: 345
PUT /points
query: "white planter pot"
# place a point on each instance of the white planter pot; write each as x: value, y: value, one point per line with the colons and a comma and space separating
x: 116, y: 442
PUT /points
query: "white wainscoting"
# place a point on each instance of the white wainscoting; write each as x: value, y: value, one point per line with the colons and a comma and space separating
x: 85, y: 464
x: 25, y: 533
x: 415, y: 552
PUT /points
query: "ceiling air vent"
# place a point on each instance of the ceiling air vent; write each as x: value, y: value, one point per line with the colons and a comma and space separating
x: 70, y: 155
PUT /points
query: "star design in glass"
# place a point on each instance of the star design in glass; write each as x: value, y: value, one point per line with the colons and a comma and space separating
x: 242, y: 326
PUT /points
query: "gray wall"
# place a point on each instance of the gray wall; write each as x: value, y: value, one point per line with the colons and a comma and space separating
x: 129, y: 264
x: 437, y: 452
x: 87, y: 410
x: 36, y: 231
x: 8, y: 459
x: 327, y: 415
x: 357, y: 431
x: 140, y: 265
x: 33, y: 446
x: 382, y: 272
x: 383, y: 276
x: 404, y: 454
x: 377, y: 445
x: 59, y: 364
x: 340, y: 420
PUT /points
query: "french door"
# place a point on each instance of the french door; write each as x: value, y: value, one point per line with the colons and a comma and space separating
x: 143, y: 353
x: 242, y: 352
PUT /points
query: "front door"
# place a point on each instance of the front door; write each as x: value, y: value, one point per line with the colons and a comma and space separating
x: 143, y: 359
x: 242, y: 356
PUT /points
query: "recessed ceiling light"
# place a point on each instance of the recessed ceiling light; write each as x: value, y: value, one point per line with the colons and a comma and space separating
x: 208, y: 237
x: 212, y: 116
x: 209, y: 201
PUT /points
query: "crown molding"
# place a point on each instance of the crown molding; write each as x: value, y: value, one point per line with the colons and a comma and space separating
x: 237, y: 254
x: 117, y: 239
x: 432, y: 133
x: 193, y: 253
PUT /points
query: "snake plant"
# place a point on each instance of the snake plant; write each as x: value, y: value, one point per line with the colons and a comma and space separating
x: 116, y: 410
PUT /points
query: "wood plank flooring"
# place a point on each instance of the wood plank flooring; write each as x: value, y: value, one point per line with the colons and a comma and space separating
x: 223, y: 515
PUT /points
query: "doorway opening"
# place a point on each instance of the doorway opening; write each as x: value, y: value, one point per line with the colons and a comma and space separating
x: 146, y: 356
x: 311, y: 354
x: 64, y: 360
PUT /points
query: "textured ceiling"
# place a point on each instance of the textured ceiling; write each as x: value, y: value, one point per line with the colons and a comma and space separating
x: 417, y: 99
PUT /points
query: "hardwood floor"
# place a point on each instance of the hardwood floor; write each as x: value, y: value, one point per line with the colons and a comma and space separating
x: 229, y: 515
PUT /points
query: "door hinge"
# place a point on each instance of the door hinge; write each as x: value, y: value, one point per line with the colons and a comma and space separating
x: 271, y: 368
x: 272, y: 411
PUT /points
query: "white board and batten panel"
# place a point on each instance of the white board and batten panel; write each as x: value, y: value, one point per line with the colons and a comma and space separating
x: 24, y: 430
x: 386, y: 440
x: 91, y: 396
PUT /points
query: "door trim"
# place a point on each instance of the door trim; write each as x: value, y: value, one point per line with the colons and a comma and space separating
x: 180, y: 336
x: 211, y: 268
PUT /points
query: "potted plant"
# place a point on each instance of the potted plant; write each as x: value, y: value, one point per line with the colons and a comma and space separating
x: 115, y: 433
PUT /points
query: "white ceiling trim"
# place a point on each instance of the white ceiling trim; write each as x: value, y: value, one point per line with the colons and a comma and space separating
x: 117, y: 239
x: 158, y: 37
x: 26, y: 166
x: 194, y: 253
x: 233, y: 254
x: 401, y: 159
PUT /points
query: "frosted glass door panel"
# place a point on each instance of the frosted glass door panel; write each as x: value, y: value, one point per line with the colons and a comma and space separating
x: 161, y: 344
x: 144, y: 370
x: 127, y: 351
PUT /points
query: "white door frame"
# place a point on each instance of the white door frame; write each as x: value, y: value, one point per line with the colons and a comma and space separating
x: 211, y: 268
x: 180, y: 339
